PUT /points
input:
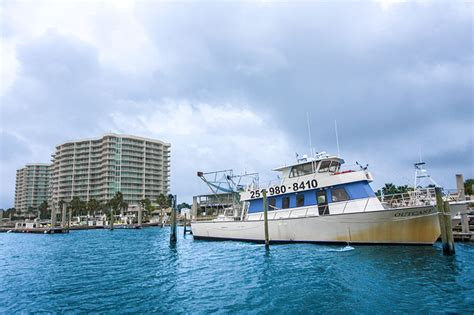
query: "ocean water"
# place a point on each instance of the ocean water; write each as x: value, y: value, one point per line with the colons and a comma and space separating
x: 137, y: 271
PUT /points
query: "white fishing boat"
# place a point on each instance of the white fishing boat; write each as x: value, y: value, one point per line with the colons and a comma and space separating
x: 316, y: 201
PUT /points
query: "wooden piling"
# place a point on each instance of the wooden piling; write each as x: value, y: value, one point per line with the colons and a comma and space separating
x: 462, y: 197
x: 265, y: 219
x: 53, y: 216
x: 448, y: 249
x: 173, y: 220
x: 112, y: 215
x: 161, y: 218
x: 63, y: 216
x: 444, y: 217
x: 140, y: 216
x: 184, y: 225
x: 69, y: 219
x: 440, y: 208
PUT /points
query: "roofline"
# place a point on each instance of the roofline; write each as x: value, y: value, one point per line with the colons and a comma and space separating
x: 331, y: 157
x: 38, y: 164
x: 115, y: 135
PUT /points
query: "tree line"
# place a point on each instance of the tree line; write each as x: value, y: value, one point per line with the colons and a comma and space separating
x: 92, y: 207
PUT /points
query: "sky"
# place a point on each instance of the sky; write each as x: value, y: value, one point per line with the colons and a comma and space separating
x: 232, y: 85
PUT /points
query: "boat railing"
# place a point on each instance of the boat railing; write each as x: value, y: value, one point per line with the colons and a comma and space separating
x: 418, y: 197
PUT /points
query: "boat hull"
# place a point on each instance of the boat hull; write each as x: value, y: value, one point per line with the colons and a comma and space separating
x: 418, y: 225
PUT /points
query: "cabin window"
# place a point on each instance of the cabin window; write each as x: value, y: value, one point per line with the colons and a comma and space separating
x: 271, y: 203
x: 321, y: 196
x: 324, y: 167
x: 339, y: 194
x: 334, y: 167
x: 285, y: 202
x: 303, y: 169
x: 299, y: 200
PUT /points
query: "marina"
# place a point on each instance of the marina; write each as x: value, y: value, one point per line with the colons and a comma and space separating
x: 242, y: 157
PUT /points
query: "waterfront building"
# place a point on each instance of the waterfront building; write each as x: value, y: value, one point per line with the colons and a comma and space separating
x: 98, y: 168
x: 32, y: 185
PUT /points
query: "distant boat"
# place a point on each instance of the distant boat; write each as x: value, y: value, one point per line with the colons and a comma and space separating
x: 316, y: 201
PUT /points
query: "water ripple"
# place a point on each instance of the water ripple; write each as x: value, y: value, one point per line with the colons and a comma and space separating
x: 137, y: 271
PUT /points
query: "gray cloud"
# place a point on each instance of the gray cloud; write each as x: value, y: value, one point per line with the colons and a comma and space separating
x: 397, y: 80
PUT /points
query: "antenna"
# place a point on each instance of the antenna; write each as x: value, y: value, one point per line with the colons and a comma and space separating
x: 337, y: 138
x: 309, y: 134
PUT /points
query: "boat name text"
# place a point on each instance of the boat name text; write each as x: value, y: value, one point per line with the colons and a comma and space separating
x: 278, y: 190
x: 413, y: 213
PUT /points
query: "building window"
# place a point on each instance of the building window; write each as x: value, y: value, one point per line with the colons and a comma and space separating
x: 285, y: 202
x: 271, y: 203
x: 339, y: 194
x: 299, y: 200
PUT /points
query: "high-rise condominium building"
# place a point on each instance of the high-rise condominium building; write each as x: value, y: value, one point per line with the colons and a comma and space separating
x: 32, y: 184
x: 98, y: 168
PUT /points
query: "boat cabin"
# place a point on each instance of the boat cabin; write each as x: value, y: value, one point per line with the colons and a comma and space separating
x: 319, y: 185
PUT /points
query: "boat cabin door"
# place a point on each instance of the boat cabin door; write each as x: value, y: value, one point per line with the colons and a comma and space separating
x: 322, y: 198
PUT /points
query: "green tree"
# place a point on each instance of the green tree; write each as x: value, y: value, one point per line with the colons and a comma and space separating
x: 391, y: 189
x: 469, y: 186
x: 77, y: 206
x: 93, y: 206
x: 43, y: 209
x: 162, y: 201
x: 116, y: 203
x: 183, y: 205
x: 146, y: 205
x: 10, y: 212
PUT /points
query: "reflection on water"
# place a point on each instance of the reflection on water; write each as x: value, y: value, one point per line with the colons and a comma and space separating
x: 139, y: 271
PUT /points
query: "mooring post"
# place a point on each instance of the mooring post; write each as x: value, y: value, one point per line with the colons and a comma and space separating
x: 184, y: 225
x: 444, y: 216
x: 173, y: 220
x: 161, y: 218
x: 462, y: 197
x: 448, y: 249
x: 53, y: 216
x: 440, y: 207
x: 140, y: 216
x: 112, y: 219
x: 63, y: 216
x: 69, y: 219
x: 265, y: 218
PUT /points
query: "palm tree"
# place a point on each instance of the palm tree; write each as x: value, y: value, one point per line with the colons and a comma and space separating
x: 162, y: 202
x: 76, y: 205
x: 92, y: 206
x: 145, y: 203
x: 43, y: 210
x: 115, y: 204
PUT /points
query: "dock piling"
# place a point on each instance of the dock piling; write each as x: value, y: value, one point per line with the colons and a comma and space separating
x: 111, y: 219
x: 161, y: 218
x: 462, y: 197
x: 448, y: 248
x: 140, y: 216
x: 53, y: 216
x: 173, y: 220
x: 265, y: 219
x: 184, y: 225
x: 63, y: 216
x: 444, y: 217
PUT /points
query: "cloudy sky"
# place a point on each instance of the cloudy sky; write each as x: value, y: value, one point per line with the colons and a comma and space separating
x: 231, y: 84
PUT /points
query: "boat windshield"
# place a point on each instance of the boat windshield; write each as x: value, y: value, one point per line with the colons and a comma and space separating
x: 302, y: 169
x: 329, y: 166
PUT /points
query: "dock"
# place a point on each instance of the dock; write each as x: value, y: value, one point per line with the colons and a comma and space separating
x: 46, y: 230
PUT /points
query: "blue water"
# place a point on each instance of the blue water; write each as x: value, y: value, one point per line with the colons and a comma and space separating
x: 137, y: 271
